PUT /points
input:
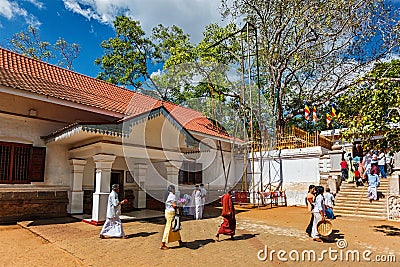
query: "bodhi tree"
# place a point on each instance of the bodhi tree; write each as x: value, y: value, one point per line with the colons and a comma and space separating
x: 313, y: 50
x: 370, y: 109
x: 30, y: 44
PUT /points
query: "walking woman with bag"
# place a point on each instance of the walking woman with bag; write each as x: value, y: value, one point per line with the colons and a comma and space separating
x: 170, y: 206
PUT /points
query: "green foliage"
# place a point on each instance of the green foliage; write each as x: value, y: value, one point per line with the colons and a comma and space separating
x: 372, y: 107
x: 29, y: 43
x: 68, y: 52
x: 312, y: 50
x: 126, y: 55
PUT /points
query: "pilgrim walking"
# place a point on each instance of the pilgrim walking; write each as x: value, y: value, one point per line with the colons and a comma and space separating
x: 228, y: 226
x: 113, y: 225
x: 318, y: 212
x: 170, y: 206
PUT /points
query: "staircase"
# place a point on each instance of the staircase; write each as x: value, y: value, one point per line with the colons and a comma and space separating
x: 352, y: 201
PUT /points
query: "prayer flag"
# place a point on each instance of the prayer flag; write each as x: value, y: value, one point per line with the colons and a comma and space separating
x: 328, y: 119
x: 314, y: 114
x: 333, y: 110
x: 306, y: 111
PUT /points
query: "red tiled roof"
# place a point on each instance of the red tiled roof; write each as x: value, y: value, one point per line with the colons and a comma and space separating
x: 24, y: 73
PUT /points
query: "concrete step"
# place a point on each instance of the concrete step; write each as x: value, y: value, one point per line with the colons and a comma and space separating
x: 374, y: 213
x: 363, y: 209
x: 352, y: 215
x: 341, y: 198
x: 357, y: 193
x: 353, y: 202
x: 361, y: 188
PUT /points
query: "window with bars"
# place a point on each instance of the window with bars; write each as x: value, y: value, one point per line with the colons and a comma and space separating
x: 190, y: 173
x: 21, y: 163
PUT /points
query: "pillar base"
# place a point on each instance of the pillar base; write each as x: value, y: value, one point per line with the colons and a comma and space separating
x: 92, y: 222
x: 141, y: 204
x: 99, y: 211
x: 75, y: 205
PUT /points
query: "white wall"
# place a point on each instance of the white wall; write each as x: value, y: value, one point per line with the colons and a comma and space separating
x: 300, y: 168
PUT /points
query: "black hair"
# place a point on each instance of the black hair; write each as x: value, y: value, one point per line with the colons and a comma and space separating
x: 319, y: 190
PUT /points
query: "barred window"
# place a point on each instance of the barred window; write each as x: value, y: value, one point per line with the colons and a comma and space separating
x: 21, y: 163
x: 190, y: 173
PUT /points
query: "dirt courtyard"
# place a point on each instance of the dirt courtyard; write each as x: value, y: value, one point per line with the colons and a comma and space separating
x: 264, y: 237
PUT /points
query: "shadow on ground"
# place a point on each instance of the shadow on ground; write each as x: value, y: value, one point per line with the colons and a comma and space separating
x: 59, y: 220
x: 387, y: 230
x: 196, y: 244
x: 334, y: 237
x: 141, y: 234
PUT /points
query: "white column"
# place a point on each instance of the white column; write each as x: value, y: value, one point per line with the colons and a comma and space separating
x: 140, y: 172
x: 102, y: 190
x: 172, y: 174
x: 75, y: 195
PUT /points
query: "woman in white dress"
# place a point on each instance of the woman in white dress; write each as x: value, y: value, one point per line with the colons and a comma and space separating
x: 113, y: 225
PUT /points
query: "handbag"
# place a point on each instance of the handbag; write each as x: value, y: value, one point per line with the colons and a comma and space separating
x: 176, y: 221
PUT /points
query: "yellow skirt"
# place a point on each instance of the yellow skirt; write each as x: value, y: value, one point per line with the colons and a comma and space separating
x: 170, y: 236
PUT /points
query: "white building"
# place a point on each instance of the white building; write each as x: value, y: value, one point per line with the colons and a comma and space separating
x: 65, y: 138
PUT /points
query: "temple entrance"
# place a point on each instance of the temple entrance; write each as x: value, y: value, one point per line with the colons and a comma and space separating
x: 117, y: 177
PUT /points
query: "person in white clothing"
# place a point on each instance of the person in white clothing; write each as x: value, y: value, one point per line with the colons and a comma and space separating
x: 318, y: 212
x: 203, y: 198
x: 381, y: 164
x: 113, y: 225
x: 170, y: 206
x: 329, y: 201
x: 196, y: 197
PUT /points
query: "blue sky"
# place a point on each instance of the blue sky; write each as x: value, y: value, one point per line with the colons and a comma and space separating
x: 89, y: 22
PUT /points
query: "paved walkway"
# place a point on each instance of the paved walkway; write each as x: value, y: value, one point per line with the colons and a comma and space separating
x: 66, y: 242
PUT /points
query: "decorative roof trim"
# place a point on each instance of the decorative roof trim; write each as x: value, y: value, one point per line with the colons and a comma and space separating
x: 118, y: 129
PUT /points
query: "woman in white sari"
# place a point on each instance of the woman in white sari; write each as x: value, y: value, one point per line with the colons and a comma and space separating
x: 113, y: 225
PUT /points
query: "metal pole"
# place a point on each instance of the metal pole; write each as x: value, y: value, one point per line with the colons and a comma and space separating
x: 251, y: 111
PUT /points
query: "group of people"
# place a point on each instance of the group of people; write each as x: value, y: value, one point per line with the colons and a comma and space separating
x: 113, y: 225
x: 194, y: 203
x: 369, y: 169
x: 320, y: 205
x: 227, y: 227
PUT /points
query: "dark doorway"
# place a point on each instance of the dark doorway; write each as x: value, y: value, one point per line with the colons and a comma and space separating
x: 117, y: 177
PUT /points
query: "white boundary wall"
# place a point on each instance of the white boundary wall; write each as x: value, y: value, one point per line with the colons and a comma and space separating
x: 300, y: 168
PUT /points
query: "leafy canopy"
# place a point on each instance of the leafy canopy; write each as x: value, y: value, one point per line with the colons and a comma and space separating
x: 371, y: 107
x: 30, y: 44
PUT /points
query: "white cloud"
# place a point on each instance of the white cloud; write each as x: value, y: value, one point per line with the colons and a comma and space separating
x: 11, y: 9
x: 32, y: 21
x: 36, y: 3
x: 190, y: 15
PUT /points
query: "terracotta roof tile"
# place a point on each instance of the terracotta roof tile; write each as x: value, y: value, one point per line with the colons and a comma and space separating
x: 24, y: 73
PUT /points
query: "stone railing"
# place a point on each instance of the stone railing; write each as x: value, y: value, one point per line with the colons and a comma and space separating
x: 393, y: 208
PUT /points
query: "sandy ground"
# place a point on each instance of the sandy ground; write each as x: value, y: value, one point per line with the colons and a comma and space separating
x: 66, y: 242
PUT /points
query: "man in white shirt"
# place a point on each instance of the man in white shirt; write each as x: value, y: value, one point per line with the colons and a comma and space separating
x: 196, y: 197
x: 381, y: 164
x: 203, y: 198
x: 329, y: 201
